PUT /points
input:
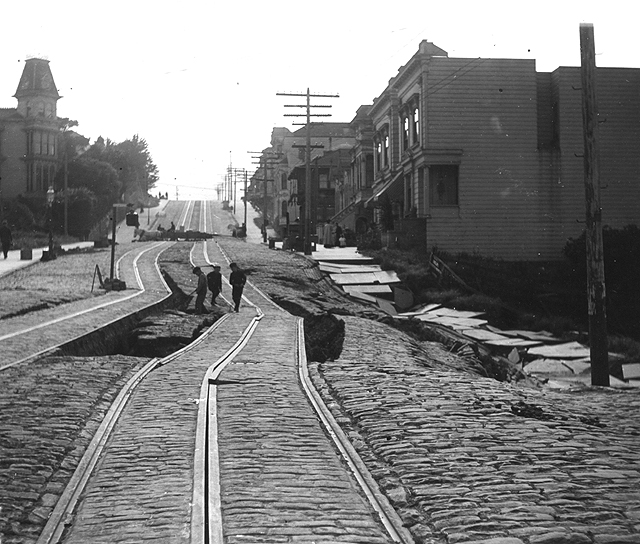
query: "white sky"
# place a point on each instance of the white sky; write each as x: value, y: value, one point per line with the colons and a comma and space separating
x: 198, y: 79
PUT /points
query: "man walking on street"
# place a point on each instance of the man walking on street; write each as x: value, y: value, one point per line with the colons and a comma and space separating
x: 237, y: 279
x: 214, y: 280
x: 201, y: 291
x: 5, y: 238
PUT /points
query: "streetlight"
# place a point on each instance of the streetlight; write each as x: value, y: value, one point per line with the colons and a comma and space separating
x: 50, y: 197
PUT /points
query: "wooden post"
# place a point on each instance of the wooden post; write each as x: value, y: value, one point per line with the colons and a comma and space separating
x: 596, y: 294
x: 264, y: 206
x: 113, y: 243
x: 307, y: 183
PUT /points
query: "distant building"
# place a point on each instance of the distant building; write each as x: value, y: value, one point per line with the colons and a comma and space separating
x: 29, y: 133
x: 287, y: 171
x: 485, y: 155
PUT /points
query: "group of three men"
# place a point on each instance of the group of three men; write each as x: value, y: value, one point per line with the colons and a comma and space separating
x: 213, y: 281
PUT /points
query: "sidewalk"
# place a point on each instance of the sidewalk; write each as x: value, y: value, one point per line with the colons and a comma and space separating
x: 13, y: 261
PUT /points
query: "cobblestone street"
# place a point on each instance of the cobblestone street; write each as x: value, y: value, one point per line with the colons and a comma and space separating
x: 461, y: 457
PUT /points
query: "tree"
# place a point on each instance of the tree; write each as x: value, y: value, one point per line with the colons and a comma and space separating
x: 98, y: 177
x: 132, y: 161
x: 83, y: 210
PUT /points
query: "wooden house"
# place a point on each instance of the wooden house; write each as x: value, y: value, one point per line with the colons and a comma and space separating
x: 485, y: 155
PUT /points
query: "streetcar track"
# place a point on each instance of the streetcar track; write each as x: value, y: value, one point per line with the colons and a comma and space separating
x: 65, y: 507
x: 51, y: 349
x: 207, y: 523
x: 206, y: 513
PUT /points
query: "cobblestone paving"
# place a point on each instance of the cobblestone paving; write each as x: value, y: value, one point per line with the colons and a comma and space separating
x: 16, y: 348
x: 281, y: 479
x: 143, y: 486
x: 51, y: 283
x: 465, y: 458
x: 49, y: 412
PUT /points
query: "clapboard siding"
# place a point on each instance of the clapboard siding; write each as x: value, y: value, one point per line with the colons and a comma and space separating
x: 488, y: 108
x: 618, y: 97
x: 517, y: 136
x: 521, y: 185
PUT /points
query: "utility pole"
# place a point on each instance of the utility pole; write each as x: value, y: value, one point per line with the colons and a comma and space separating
x: 264, y: 159
x: 596, y: 293
x: 244, y: 224
x: 233, y: 174
x: 309, y: 220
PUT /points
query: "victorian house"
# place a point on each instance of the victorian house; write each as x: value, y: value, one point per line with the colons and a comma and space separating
x: 286, y: 173
x: 485, y: 155
x: 29, y: 156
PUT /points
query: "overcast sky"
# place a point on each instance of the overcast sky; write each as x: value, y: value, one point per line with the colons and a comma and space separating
x: 198, y: 79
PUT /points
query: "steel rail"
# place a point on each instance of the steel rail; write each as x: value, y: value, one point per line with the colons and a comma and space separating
x: 60, y: 319
x: 203, y: 216
x: 183, y: 215
x: 189, y: 218
x: 388, y: 516
x: 65, y: 507
x: 206, y: 513
x: 263, y: 295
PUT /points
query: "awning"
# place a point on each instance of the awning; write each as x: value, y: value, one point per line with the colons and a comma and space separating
x: 392, y: 187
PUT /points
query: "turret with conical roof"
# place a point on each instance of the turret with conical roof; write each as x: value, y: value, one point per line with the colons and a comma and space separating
x: 37, y: 93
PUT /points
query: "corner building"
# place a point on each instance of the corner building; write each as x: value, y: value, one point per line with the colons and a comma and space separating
x: 485, y: 155
x: 29, y: 133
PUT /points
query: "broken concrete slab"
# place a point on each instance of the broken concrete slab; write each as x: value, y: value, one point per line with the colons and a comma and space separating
x: 482, y: 335
x: 348, y: 268
x: 578, y: 366
x: 568, y: 350
x: 450, y: 312
x: 452, y: 322
x: 548, y: 366
x: 368, y: 288
x: 382, y: 277
x: 420, y: 311
x: 631, y: 371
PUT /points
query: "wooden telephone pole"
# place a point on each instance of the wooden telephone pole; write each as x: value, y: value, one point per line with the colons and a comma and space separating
x: 309, y: 221
x: 265, y: 161
x: 596, y: 294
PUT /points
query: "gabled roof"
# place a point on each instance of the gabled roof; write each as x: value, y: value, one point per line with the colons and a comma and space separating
x: 36, y: 80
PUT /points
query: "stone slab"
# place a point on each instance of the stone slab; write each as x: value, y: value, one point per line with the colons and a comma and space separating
x: 631, y: 371
x: 569, y: 350
x: 369, y: 288
x: 382, y: 277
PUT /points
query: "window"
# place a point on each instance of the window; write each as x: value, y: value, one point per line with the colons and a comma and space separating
x: 37, y: 142
x: 421, y: 190
x: 443, y: 185
x: 284, y: 208
x: 283, y: 181
x: 416, y: 125
x: 378, y: 157
x: 408, y: 194
x: 385, y: 152
x: 30, y: 170
x: 368, y: 177
x: 405, y: 133
x: 323, y: 181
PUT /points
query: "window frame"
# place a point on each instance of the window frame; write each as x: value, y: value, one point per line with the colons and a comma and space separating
x: 446, y: 193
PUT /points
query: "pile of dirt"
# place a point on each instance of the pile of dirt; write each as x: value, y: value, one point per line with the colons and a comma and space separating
x: 324, y: 337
